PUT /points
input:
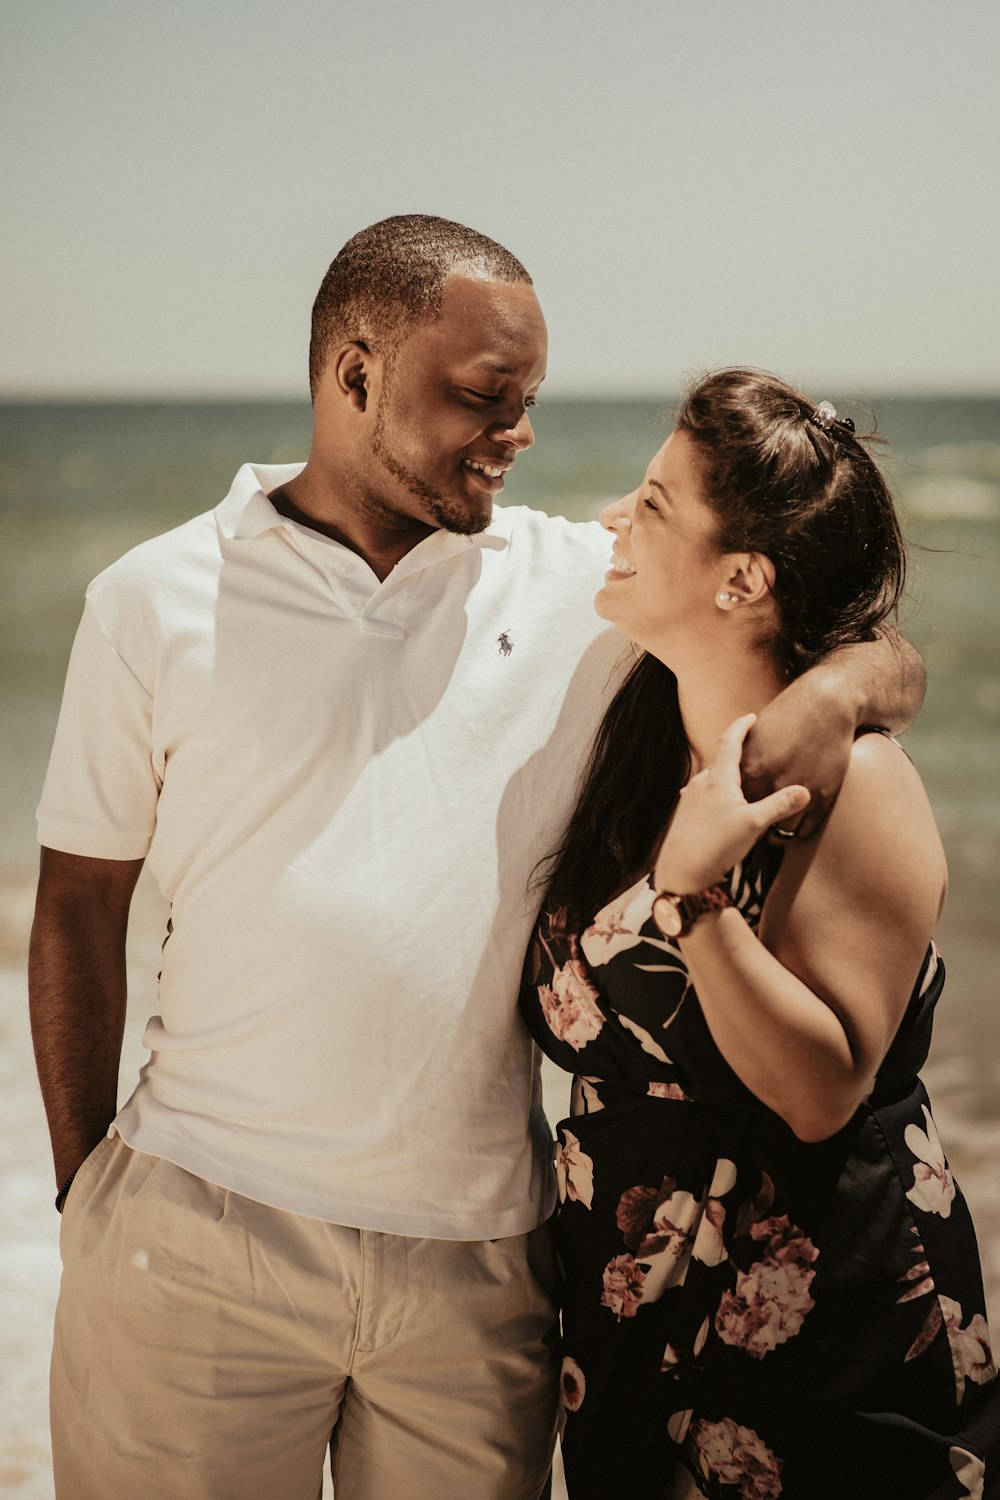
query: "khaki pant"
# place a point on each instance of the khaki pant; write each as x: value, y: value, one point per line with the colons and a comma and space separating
x: 210, y: 1348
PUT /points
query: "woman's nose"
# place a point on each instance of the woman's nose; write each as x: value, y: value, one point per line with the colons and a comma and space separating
x: 618, y: 515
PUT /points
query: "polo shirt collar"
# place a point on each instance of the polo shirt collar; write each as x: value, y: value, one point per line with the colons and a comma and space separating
x: 246, y: 513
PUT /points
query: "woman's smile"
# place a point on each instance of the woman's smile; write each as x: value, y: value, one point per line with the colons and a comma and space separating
x: 621, y: 567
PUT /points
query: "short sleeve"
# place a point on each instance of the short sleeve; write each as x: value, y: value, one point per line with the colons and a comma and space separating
x: 101, y: 788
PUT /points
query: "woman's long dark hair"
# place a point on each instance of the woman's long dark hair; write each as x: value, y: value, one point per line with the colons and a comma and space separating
x: 811, y: 499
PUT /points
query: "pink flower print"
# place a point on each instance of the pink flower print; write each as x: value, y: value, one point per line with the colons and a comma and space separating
x: 978, y: 1363
x: 755, y: 1208
x: 658, y: 1225
x: 709, y: 1247
x: 668, y: 1091
x: 584, y: 1098
x: 685, y: 1486
x: 933, y: 1187
x: 654, y: 1219
x: 928, y: 1333
x: 970, y: 1472
x: 917, y: 1281
x: 723, y: 1178
x: 573, y: 1384
x: 673, y: 1226
x: 971, y: 1353
x: 772, y: 1298
x: 623, y: 1286
x: 635, y: 1210
x: 933, y: 963
x: 786, y: 1244
x: 767, y: 1308
x: 643, y: 1037
x: 678, y: 1424
x: 736, y: 1455
x: 673, y: 1358
x: 616, y: 926
x: 570, y: 1006
x: 574, y: 1171
x: 716, y: 1445
x: 666, y: 1249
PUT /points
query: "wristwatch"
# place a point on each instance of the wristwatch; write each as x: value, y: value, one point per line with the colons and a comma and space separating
x: 675, y: 915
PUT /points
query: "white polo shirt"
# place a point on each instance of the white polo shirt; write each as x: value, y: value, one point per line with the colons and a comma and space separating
x: 343, y: 787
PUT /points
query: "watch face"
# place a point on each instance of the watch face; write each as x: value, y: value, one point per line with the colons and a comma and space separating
x: 666, y: 915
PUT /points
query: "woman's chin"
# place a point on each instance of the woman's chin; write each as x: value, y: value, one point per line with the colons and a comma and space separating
x: 604, y: 605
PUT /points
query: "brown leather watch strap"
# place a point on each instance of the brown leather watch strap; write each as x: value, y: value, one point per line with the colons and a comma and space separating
x: 678, y: 913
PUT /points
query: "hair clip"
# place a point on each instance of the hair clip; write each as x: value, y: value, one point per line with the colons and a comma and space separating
x: 824, y: 416
x: 826, y: 419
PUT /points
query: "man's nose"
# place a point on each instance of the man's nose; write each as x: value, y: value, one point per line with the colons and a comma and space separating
x: 515, y: 429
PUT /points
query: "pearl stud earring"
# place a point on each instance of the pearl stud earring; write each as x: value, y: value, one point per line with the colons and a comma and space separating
x: 725, y: 598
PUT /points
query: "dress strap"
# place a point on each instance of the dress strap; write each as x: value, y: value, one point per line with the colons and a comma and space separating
x: 885, y: 733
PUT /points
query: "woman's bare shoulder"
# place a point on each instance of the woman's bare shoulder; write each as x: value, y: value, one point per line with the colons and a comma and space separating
x: 881, y: 830
x: 882, y: 781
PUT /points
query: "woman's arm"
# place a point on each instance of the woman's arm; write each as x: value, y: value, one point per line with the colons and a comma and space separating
x: 805, y: 1014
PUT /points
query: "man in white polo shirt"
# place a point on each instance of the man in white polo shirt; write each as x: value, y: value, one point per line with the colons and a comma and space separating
x: 342, y: 716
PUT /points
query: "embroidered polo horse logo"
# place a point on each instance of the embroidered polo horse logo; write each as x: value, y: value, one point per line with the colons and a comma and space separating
x: 505, y: 643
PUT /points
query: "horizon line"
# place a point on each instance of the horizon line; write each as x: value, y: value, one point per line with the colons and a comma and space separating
x: 114, y: 396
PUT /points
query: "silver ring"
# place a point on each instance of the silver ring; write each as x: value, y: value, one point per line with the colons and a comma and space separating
x: 785, y: 833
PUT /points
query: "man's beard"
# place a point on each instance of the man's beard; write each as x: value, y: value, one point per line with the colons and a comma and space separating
x: 444, y: 513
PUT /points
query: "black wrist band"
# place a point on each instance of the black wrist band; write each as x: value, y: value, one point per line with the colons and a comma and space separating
x: 61, y: 1195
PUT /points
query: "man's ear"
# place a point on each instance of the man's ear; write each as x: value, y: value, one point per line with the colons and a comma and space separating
x: 750, y: 578
x: 350, y: 374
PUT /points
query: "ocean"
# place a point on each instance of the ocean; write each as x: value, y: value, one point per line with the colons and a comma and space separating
x: 81, y: 483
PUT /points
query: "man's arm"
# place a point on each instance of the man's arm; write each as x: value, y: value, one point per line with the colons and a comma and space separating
x: 804, y: 736
x: 76, y: 987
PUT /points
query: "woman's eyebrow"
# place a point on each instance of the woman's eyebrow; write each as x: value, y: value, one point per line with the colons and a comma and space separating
x: 655, y: 483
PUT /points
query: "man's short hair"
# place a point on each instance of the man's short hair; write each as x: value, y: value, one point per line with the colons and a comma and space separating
x: 391, y: 276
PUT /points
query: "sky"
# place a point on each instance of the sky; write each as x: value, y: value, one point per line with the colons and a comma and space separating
x: 809, y: 188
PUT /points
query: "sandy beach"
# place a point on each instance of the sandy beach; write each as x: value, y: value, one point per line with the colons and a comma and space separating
x: 29, y: 1226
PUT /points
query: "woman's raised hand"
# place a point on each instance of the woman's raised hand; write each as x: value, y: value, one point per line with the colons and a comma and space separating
x: 714, y: 825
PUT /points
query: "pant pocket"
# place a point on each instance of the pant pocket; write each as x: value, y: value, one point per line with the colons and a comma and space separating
x: 83, y: 1181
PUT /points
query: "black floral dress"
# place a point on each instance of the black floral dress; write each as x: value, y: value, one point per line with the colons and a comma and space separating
x: 747, y: 1315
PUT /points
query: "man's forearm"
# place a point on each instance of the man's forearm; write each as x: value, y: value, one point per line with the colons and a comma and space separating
x: 804, y: 736
x: 77, y: 990
x: 884, y: 680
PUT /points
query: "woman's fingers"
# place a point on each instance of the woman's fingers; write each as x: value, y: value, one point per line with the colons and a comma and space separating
x: 784, y: 803
x: 730, y: 747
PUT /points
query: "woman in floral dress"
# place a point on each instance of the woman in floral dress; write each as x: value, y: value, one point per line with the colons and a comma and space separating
x: 773, y: 1286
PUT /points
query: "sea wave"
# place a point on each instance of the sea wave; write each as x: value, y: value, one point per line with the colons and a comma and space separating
x: 981, y: 458
x: 952, y: 496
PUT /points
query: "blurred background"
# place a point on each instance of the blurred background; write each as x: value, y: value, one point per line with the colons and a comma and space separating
x: 785, y: 186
